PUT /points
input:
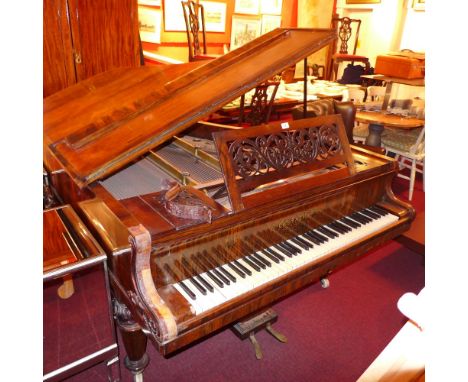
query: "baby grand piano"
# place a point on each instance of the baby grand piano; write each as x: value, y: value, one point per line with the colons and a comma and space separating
x: 205, y: 225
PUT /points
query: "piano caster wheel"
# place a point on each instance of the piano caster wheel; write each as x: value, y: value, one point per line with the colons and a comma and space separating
x: 325, y: 282
x: 138, y: 377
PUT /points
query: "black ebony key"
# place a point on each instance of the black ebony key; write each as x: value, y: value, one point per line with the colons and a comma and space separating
x: 205, y: 283
x: 364, y: 216
x: 319, y: 235
x: 303, y: 244
x: 187, y: 290
x: 228, y: 274
x: 308, y: 241
x: 221, y: 276
x: 270, y: 256
x: 199, y: 259
x: 350, y: 222
x: 361, y: 219
x: 197, y: 285
x: 370, y: 214
x: 343, y: 226
x: 274, y: 253
x: 292, y: 247
x: 241, y: 266
x: 379, y: 210
x: 260, y: 258
x: 313, y: 238
x: 237, y: 270
x: 251, y: 263
x: 283, y: 250
x: 337, y: 228
x: 253, y: 258
x: 327, y: 232
x: 217, y: 281
x: 216, y: 269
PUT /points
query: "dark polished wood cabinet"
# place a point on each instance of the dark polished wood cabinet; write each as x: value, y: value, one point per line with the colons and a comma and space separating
x: 78, y: 327
x: 85, y: 37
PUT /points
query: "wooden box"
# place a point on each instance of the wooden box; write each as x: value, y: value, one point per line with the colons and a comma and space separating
x: 400, y: 66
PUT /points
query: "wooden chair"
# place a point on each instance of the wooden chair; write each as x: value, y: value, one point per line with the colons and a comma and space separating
x: 409, y: 149
x: 354, y: 94
x: 344, y: 27
x: 260, y: 105
x: 196, y: 37
x: 316, y: 71
x: 375, y: 93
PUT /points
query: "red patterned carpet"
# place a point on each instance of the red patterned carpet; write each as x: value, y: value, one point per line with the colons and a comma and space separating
x: 333, y: 334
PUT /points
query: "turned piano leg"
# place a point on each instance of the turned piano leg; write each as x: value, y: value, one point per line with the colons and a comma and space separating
x: 134, y: 341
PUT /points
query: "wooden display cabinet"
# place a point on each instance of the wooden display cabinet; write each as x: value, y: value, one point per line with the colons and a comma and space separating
x: 82, y: 38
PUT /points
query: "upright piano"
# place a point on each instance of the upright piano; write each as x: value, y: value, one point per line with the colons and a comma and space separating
x: 203, y: 224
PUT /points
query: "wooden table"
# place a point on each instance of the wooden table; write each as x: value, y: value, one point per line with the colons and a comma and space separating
x: 378, y: 120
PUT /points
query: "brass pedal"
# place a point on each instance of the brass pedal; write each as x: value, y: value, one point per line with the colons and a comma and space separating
x: 279, y: 336
x: 256, y: 345
x: 252, y: 325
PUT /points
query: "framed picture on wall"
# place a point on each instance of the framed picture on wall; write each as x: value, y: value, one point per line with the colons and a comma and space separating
x: 244, y: 29
x: 270, y: 22
x: 271, y: 7
x: 215, y: 16
x: 419, y: 5
x: 149, y: 24
x: 362, y: 1
x: 249, y: 7
x: 153, y: 3
x: 173, y: 16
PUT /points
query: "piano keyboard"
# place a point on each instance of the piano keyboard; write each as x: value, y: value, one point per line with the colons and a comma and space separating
x: 215, y: 285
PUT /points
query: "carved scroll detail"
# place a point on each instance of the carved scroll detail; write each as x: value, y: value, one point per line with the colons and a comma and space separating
x: 152, y: 308
x: 282, y: 150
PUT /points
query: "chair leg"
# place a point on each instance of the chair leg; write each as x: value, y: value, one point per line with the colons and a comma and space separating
x: 335, y: 70
x: 412, y: 178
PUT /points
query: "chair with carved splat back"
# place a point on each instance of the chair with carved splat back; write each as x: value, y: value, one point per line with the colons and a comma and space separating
x: 345, y: 27
x: 261, y: 104
x: 194, y: 16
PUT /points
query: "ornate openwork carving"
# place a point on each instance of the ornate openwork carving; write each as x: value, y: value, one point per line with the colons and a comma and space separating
x: 194, y: 27
x: 282, y: 150
x: 345, y: 34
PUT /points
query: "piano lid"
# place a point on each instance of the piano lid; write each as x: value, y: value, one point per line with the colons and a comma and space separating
x: 103, y: 123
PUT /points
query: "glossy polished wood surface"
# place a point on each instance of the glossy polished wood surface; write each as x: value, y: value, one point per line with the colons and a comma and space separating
x: 105, y: 34
x: 94, y: 129
x: 390, y: 120
x: 66, y: 240
x: 82, y: 38
x: 58, y: 61
x: 99, y: 125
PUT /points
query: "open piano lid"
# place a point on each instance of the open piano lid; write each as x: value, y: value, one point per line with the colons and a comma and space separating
x: 103, y: 123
